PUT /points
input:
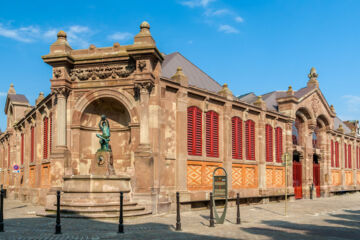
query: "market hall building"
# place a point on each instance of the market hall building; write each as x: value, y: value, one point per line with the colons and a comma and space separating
x: 171, y: 126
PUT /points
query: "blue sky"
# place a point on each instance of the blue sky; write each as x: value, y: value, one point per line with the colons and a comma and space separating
x: 253, y: 45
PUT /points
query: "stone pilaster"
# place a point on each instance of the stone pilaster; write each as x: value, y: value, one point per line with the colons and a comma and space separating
x: 260, y: 146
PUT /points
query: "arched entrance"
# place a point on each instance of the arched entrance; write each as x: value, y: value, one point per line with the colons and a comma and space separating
x: 316, y: 174
x: 297, y: 175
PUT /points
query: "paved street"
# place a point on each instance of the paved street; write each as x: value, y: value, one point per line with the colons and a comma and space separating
x: 337, y: 217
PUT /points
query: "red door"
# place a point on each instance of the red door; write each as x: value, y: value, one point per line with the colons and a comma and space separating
x: 297, y: 182
x: 316, y: 178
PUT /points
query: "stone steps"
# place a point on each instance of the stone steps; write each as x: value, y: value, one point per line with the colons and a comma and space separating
x: 96, y: 210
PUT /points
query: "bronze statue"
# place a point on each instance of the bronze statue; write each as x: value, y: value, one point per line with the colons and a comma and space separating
x: 105, y: 136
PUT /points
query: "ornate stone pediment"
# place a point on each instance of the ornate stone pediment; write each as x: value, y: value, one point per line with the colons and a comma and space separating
x: 102, y: 72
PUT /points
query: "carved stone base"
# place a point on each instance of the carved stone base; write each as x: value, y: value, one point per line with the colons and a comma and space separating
x: 102, y: 164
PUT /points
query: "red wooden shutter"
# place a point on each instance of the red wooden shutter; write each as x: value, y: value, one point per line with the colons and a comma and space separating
x: 212, y: 134
x: 332, y: 153
x: 250, y: 140
x: 337, y: 163
x: 32, y: 145
x: 194, y: 131
x: 279, y: 144
x: 8, y: 155
x: 236, y: 138
x: 345, y: 153
x: 45, y: 145
x: 349, y: 156
x: 50, y: 135
x: 269, y: 143
x: 22, y: 149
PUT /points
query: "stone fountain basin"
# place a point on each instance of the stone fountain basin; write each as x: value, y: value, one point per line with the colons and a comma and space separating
x: 96, y: 184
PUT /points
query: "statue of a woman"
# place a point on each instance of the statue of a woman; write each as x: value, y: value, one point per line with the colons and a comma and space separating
x: 105, y: 136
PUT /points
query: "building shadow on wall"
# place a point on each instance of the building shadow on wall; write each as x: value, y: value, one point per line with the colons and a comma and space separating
x: 78, y: 228
x: 342, y: 226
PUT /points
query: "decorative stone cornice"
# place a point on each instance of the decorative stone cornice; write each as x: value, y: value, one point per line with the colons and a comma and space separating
x: 260, y: 103
x: 102, y: 72
x: 61, y: 91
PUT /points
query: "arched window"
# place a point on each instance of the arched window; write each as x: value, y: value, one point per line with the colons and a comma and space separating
x: 278, y: 144
x: 295, y: 134
x: 349, y: 156
x: 332, y: 153
x: 337, y: 156
x: 212, y: 134
x: 194, y: 131
x: 269, y: 143
x: 32, y: 144
x: 22, y: 148
x: 45, y: 144
x: 345, y: 155
x: 250, y: 139
x: 314, y: 139
x: 236, y: 138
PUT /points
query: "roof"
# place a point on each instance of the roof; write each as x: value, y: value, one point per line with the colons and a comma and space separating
x: 15, y: 98
x: 19, y: 98
x: 248, y: 97
x: 196, y: 76
x: 337, y: 122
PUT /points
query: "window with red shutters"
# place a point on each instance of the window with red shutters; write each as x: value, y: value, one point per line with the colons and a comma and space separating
x: 45, y: 144
x: 345, y: 156
x: 212, y: 134
x: 22, y: 149
x: 8, y: 155
x: 194, y: 131
x: 332, y: 153
x: 269, y: 142
x: 357, y: 157
x: 50, y: 134
x: 236, y: 138
x: 250, y: 139
x: 349, y: 156
x: 32, y: 144
x: 278, y: 144
x: 337, y: 155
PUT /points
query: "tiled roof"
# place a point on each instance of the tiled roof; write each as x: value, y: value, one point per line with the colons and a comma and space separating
x: 195, y: 75
x: 248, y: 98
x: 337, y: 122
x: 19, y: 98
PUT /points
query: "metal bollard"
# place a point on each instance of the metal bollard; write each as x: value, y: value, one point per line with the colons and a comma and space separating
x: 238, y: 220
x: 211, y: 211
x: 58, y: 226
x: 2, y: 210
x: 311, y: 190
x: 121, y: 220
x: 178, y: 220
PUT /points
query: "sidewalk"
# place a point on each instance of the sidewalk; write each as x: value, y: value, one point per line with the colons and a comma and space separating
x: 337, y: 217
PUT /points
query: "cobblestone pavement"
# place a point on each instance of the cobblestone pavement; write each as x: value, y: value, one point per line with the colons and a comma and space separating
x: 336, y: 217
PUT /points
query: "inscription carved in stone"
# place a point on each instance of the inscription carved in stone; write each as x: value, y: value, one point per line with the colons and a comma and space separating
x: 103, y: 72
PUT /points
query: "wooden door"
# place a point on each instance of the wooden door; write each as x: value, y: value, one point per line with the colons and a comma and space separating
x: 316, y: 178
x: 297, y: 179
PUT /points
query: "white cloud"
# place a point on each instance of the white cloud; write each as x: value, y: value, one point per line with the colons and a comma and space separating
x: 3, y: 94
x: 239, y: 19
x: 196, y: 3
x: 219, y: 12
x: 227, y: 29
x: 352, y: 103
x: 120, y: 36
x: 23, y: 34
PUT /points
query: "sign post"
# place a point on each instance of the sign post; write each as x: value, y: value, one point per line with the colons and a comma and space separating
x: 220, y: 192
x: 287, y: 161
